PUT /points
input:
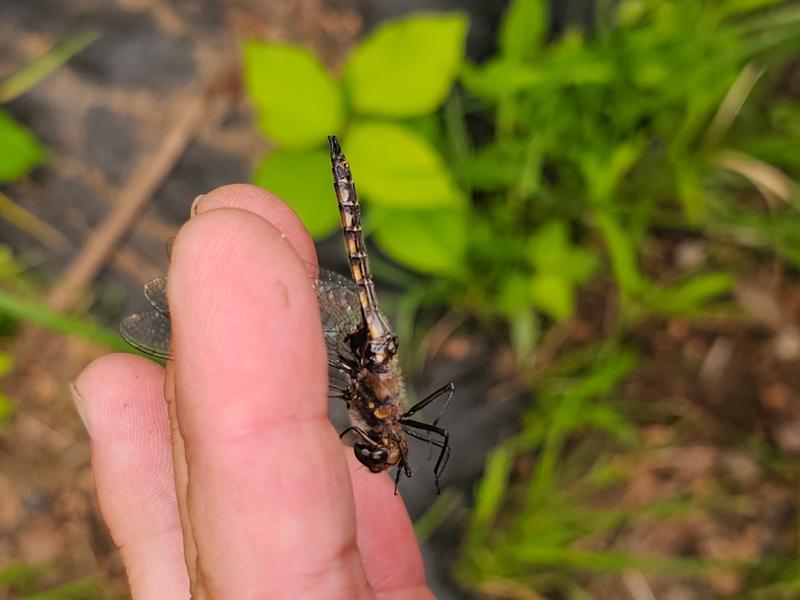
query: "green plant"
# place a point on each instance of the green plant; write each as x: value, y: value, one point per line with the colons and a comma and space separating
x: 593, y: 139
x: 552, y: 164
x: 33, y: 582
x: 20, y: 151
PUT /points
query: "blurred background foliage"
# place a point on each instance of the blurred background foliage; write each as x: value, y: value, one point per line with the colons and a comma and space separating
x: 521, y: 193
x: 509, y: 185
x: 509, y: 179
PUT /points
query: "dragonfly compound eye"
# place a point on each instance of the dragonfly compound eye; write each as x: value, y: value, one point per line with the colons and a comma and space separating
x: 373, y: 458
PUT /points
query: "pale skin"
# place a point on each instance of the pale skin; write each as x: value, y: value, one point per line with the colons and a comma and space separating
x: 221, y: 476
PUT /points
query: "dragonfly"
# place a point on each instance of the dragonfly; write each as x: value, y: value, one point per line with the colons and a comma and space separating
x: 363, y: 366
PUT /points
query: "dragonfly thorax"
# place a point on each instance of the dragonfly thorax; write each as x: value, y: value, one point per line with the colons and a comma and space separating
x: 379, y: 353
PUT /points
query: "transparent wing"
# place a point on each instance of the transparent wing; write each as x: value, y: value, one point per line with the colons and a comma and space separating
x: 338, y: 304
x: 156, y: 293
x: 148, y: 331
x: 340, y: 313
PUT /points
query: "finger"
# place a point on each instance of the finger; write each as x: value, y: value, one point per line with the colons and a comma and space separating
x: 120, y: 398
x: 389, y: 549
x: 270, y: 208
x: 267, y: 206
x: 269, y: 495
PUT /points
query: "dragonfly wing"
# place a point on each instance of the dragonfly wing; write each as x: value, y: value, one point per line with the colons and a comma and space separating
x: 148, y: 331
x: 338, y: 304
x: 340, y: 313
x: 156, y: 293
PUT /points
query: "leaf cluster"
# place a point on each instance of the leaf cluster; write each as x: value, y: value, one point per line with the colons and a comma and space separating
x: 517, y: 179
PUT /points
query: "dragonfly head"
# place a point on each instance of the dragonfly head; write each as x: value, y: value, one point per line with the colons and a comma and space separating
x: 375, y: 458
x: 378, y: 457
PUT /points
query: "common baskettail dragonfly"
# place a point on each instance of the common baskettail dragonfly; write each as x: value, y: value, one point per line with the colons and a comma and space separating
x: 363, y: 367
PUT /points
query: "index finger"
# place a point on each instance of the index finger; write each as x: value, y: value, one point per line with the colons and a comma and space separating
x: 269, y: 494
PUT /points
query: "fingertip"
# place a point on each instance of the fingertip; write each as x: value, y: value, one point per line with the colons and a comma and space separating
x: 120, y: 397
x: 382, y: 522
x: 106, y: 389
x: 269, y: 207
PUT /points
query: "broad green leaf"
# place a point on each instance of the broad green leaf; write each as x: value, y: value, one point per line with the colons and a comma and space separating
x: 20, y: 152
x: 396, y: 167
x: 408, y: 66
x: 298, y: 102
x: 524, y: 25
x: 554, y: 295
x: 429, y: 241
x: 303, y: 179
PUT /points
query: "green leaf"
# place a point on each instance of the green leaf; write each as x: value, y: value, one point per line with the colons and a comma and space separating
x: 622, y: 252
x: 298, y: 102
x: 550, y: 252
x: 692, y: 194
x: 514, y: 296
x: 494, y: 166
x: 491, y: 489
x: 603, y: 172
x: 691, y: 295
x: 522, y: 31
x: 554, y: 295
x: 429, y: 241
x: 396, y: 167
x: 498, y: 78
x: 407, y: 67
x: 525, y: 332
x: 26, y: 309
x: 20, y: 152
x: 566, y: 64
x: 302, y: 178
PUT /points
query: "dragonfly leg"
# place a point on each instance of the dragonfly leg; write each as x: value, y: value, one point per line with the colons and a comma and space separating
x: 361, y: 433
x: 443, y: 444
x: 448, y: 389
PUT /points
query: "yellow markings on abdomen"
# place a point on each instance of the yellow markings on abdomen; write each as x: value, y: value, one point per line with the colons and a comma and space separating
x: 358, y: 275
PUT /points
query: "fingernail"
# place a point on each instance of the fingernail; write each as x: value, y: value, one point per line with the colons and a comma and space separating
x: 195, y: 205
x: 81, y: 405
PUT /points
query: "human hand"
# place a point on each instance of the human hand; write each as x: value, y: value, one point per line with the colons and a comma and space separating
x: 222, y: 473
